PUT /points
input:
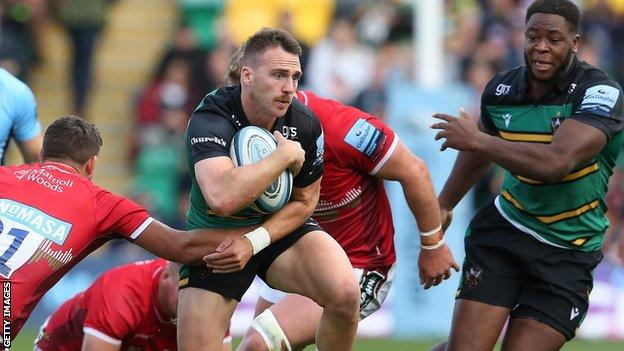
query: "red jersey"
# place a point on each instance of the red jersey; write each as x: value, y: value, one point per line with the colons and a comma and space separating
x: 50, y: 218
x: 353, y: 206
x: 121, y: 308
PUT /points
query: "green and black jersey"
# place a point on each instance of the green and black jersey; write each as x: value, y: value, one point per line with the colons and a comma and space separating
x: 209, y: 134
x: 570, y: 213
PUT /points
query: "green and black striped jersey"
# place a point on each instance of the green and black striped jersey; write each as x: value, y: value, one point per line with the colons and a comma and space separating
x: 570, y: 213
x: 209, y: 133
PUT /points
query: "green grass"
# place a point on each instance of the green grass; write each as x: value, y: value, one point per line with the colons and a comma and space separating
x: 24, y: 343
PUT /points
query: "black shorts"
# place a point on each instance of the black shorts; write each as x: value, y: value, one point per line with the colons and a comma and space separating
x: 507, y: 267
x: 234, y: 285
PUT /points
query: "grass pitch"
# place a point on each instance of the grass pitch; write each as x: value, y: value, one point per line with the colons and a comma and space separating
x: 24, y: 342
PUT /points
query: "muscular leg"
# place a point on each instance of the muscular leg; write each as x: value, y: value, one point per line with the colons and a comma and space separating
x: 299, y: 327
x: 476, y: 326
x: 528, y: 334
x: 203, y: 319
x: 317, y: 267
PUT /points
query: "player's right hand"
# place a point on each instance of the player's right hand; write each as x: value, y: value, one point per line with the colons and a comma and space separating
x: 293, y: 150
x: 436, y: 266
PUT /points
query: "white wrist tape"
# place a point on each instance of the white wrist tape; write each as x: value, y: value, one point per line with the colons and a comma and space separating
x: 434, y: 246
x: 433, y: 231
x: 259, y: 239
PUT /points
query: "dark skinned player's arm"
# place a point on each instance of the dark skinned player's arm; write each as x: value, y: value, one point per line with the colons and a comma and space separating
x: 575, y: 143
x: 469, y: 167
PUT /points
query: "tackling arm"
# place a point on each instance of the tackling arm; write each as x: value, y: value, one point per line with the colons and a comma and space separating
x: 183, y: 247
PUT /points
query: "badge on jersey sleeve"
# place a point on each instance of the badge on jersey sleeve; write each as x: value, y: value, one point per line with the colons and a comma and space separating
x: 600, y: 99
x: 364, y: 136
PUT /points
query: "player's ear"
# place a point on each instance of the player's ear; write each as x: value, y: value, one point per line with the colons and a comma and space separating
x: 90, y: 166
x: 246, y: 75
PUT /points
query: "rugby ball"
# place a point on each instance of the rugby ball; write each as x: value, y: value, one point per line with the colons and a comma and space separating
x: 252, y: 144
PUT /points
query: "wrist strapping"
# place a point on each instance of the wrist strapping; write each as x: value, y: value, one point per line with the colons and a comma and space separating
x: 434, y: 246
x: 433, y: 231
x: 259, y: 239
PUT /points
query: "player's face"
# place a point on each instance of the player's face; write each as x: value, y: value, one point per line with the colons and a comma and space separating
x: 548, y: 46
x: 274, y: 81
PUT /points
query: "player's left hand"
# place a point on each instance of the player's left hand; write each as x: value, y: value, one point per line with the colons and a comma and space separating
x: 459, y: 133
x: 435, y: 266
x: 231, y: 255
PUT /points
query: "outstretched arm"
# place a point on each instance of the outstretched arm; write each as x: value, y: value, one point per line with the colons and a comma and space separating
x: 573, y: 144
x: 183, y: 247
x: 435, y: 264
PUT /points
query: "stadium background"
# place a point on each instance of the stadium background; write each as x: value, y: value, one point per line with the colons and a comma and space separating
x: 398, y: 59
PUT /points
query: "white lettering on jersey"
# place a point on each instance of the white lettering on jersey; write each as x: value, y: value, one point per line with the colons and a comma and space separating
x: 502, y: 89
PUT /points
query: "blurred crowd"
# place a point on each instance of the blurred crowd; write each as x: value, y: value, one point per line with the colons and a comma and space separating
x: 352, y: 50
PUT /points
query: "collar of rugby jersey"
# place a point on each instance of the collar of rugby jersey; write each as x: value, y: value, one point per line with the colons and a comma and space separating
x: 562, y: 84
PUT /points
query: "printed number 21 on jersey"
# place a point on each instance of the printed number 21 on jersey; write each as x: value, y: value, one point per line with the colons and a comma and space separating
x: 22, y: 230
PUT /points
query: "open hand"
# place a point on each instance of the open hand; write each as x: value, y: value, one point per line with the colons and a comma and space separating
x: 459, y: 133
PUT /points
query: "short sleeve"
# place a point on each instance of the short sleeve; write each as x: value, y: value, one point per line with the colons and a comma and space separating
x: 208, y: 136
x: 600, y: 105
x: 112, y: 312
x: 26, y: 125
x: 120, y: 215
x: 365, y: 143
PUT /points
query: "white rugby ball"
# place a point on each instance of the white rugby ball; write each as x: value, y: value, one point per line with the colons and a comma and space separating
x: 252, y: 144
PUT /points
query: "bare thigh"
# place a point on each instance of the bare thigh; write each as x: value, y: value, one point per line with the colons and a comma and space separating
x: 476, y: 326
x: 528, y: 334
x: 203, y: 319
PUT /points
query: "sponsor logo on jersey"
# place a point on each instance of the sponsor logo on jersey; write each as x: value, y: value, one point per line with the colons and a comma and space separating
x: 601, y: 98
x: 364, y: 137
x: 472, y: 277
x: 213, y: 140
x: 44, y: 178
x: 37, y: 221
x: 290, y: 132
x: 502, y: 89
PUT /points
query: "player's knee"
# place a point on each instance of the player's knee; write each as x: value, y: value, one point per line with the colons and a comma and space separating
x: 344, y: 299
x: 253, y: 341
x: 265, y: 334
